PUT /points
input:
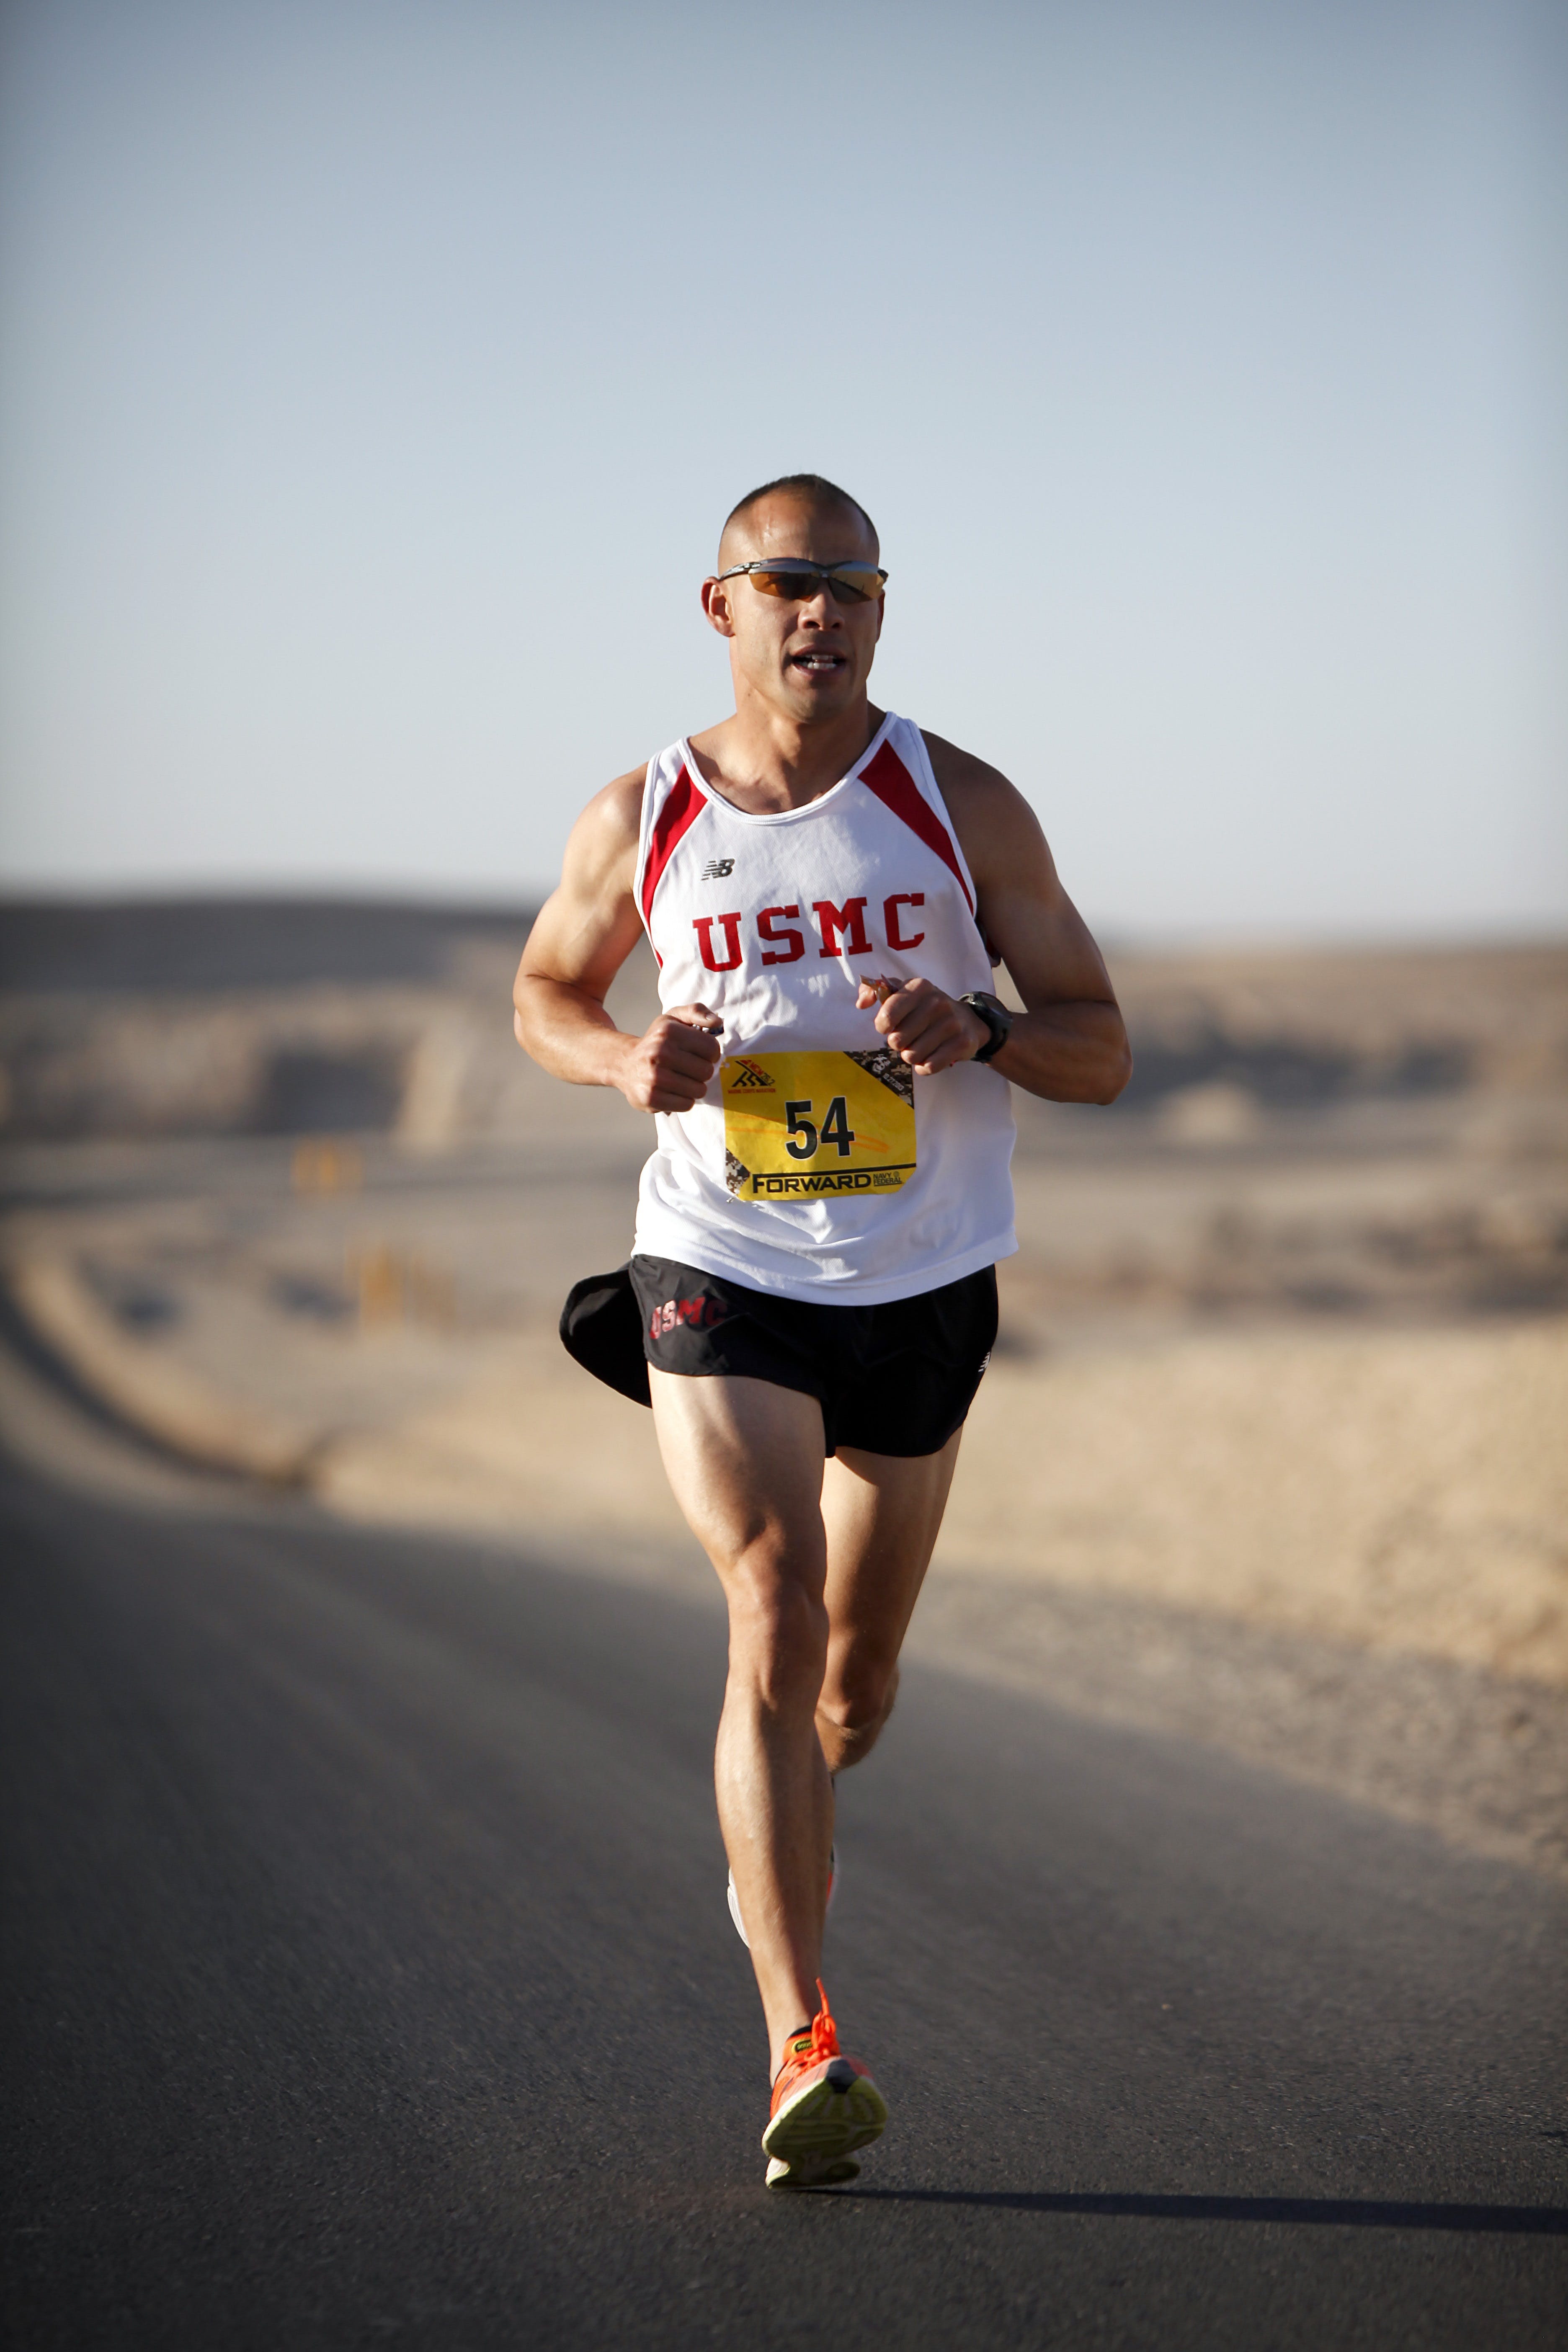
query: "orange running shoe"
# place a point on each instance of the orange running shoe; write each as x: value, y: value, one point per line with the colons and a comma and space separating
x: 823, y: 2106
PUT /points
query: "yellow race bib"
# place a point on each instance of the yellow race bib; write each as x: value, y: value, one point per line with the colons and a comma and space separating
x: 796, y: 1125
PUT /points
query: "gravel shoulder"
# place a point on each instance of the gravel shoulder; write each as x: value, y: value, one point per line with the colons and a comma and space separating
x: 1480, y: 1757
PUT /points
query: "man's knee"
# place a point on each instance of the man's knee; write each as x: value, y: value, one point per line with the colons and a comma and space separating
x: 866, y: 1700
x: 778, y: 1626
x: 850, y: 1718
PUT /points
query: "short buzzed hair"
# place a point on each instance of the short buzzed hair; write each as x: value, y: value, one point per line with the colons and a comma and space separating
x: 814, y: 487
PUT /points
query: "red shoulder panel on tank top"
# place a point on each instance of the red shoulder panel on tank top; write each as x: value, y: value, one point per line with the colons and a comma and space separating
x: 681, y: 809
x: 895, y: 787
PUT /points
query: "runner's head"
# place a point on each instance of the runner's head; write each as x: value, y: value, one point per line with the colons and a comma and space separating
x: 807, y: 655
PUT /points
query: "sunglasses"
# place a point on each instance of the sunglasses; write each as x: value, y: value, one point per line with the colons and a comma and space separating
x: 793, y: 576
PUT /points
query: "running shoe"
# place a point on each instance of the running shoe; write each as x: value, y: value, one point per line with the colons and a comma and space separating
x: 735, y: 1900
x: 824, y: 2106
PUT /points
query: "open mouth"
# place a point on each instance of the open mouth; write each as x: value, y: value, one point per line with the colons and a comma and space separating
x: 816, y: 665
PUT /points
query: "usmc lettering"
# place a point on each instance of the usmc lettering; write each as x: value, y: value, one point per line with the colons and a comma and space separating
x: 703, y: 927
x: 892, y: 923
x: 841, y: 930
x: 793, y: 942
x: 846, y: 922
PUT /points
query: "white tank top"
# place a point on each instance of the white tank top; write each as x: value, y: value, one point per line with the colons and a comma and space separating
x: 817, y: 1164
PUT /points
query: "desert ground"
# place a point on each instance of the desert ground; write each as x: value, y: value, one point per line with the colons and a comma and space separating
x: 1271, y: 1451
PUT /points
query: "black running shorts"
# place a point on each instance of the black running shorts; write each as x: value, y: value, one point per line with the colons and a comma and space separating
x: 895, y: 1378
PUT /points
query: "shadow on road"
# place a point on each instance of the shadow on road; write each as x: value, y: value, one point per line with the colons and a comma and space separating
x: 1330, y: 2213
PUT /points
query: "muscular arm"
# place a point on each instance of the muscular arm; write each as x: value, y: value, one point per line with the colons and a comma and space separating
x: 586, y: 929
x: 1069, y: 1045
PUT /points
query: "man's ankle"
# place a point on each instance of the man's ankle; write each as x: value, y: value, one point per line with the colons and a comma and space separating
x: 788, y: 2046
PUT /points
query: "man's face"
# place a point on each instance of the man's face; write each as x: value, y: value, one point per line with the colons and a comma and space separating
x: 808, y: 659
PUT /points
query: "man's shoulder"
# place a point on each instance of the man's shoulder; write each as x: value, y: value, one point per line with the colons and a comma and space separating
x: 602, y: 851
x: 959, y: 775
x: 999, y: 831
x: 616, y: 808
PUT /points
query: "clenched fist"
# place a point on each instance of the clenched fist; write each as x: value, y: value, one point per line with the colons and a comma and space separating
x: 669, y: 1067
x: 923, y: 1027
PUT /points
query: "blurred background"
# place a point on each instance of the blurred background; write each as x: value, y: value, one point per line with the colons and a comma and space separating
x: 378, y: 377
x: 376, y: 381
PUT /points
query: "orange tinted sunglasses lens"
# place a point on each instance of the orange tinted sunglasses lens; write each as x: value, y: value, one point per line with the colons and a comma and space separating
x: 847, y: 584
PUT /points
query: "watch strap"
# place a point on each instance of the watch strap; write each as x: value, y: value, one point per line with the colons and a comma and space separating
x: 997, y: 1019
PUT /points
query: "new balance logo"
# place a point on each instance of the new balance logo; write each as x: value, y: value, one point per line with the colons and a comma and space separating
x: 718, y: 868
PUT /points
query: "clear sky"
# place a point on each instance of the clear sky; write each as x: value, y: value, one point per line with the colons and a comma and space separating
x: 376, y: 377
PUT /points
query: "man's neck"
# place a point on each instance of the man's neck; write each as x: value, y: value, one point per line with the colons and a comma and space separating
x: 765, y: 761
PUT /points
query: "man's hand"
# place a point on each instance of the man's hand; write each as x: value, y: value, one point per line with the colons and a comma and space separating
x: 669, y: 1067
x: 928, y: 1031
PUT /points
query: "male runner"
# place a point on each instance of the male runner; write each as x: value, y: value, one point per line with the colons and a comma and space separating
x: 826, y: 889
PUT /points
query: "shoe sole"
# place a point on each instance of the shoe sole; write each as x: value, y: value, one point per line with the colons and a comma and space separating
x: 822, y: 2127
x: 832, y: 2172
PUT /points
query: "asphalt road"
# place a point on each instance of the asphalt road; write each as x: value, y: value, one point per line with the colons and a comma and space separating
x: 370, y: 1981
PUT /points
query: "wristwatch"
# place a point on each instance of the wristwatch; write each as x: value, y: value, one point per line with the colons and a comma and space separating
x: 997, y: 1019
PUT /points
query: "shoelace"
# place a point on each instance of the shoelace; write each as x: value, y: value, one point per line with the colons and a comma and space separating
x: 823, y: 2041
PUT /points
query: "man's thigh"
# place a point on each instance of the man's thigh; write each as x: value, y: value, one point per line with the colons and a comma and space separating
x: 744, y: 1460
x: 882, y: 1513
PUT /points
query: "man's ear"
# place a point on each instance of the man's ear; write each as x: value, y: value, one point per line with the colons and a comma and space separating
x: 716, y: 607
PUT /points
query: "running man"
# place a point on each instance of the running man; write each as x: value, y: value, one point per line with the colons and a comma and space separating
x: 826, y: 889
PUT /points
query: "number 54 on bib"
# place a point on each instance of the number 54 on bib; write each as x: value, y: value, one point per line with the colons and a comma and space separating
x: 800, y: 1124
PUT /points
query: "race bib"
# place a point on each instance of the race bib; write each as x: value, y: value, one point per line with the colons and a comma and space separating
x: 800, y: 1124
